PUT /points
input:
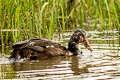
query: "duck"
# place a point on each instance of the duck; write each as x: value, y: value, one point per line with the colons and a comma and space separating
x: 41, y: 48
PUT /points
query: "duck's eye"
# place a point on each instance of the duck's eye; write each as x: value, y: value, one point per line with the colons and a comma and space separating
x: 75, y: 38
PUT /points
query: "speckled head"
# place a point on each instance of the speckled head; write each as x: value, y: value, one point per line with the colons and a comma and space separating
x: 79, y: 36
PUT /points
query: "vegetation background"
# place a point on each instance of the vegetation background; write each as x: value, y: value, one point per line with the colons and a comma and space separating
x: 23, y: 19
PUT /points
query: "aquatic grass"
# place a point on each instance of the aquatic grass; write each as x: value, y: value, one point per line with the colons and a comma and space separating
x: 41, y: 18
x: 102, y: 19
x: 81, y: 18
x: 52, y: 26
x: 96, y: 13
x: 109, y: 15
x: 63, y: 18
x: 43, y: 21
x: 117, y: 17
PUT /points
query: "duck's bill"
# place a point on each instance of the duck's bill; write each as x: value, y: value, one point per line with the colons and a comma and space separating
x: 86, y: 44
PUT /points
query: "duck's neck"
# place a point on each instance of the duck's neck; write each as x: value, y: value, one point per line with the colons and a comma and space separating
x: 72, y: 48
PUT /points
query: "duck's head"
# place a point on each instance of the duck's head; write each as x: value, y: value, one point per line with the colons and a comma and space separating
x: 79, y: 36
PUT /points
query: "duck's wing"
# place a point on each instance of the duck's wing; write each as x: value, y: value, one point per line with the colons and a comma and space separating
x: 35, y: 44
x: 44, y: 43
x: 21, y: 44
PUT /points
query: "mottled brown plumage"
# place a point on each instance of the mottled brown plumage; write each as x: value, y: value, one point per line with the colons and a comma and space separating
x: 44, y: 48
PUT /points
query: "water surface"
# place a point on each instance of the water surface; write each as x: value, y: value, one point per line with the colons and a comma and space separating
x: 102, y: 64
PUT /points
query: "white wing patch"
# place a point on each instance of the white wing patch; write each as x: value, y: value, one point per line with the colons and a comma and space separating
x: 52, y: 46
x: 31, y: 43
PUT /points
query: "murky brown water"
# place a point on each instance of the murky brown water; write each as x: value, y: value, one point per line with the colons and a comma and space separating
x: 102, y: 64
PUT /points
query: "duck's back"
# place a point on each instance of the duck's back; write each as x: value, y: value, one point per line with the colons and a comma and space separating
x: 37, y: 49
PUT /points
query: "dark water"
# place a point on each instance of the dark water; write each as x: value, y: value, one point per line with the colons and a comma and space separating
x: 102, y: 64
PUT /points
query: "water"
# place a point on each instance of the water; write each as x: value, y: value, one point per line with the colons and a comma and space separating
x: 102, y: 64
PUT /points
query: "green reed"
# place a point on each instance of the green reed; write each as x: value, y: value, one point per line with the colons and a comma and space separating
x: 41, y: 18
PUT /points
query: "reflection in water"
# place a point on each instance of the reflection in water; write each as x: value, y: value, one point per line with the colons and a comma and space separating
x: 78, y: 68
x: 35, y: 65
x: 64, y: 67
x: 104, y: 64
x: 54, y: 68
